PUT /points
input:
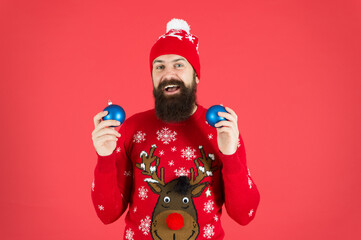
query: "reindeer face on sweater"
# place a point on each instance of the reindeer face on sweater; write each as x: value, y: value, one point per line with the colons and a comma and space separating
x: 175, y: 208
x: 175, y: 216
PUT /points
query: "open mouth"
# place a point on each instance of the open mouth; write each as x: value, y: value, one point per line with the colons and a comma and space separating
x: 171, y: 89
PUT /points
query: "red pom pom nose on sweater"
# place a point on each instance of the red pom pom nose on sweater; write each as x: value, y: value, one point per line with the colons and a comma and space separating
x: 175, y: 221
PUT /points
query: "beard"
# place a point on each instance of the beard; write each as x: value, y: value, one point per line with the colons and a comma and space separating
x: 177, y: 107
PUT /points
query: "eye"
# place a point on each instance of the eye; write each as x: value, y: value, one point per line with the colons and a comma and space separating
x: 179, y: 65
x: 185, y: 200
x: 166, y: 199
x: 159, y: 67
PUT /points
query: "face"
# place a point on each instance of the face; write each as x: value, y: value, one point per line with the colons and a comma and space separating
x: 174, y: 88
x: 172, y: 66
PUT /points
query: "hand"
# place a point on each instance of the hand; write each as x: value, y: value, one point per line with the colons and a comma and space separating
x: 105, y: 137
x: 227, y: 132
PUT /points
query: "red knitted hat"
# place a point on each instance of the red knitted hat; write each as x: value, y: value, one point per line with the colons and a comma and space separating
x: 177, y: 40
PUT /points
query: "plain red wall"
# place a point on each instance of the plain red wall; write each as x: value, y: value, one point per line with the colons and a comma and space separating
x: 290, y: 69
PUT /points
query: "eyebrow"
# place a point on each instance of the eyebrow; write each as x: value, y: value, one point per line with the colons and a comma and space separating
x: 175, y: 60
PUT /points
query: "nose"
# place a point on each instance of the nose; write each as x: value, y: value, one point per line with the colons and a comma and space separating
x: 168, y: 76
x: 175, y: 221
x: 169, y: 73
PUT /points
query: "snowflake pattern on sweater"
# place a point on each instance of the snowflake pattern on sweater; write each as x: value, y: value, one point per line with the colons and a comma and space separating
x: 145, y: 225
x: 150, y: 164
x: 166, y: 135
x: 129, y: 234
x: 188, y: 153
x: 139, y: 137
x: 208, y: 231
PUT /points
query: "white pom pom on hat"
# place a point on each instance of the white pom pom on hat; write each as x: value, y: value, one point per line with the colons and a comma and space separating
x: 178, y: 24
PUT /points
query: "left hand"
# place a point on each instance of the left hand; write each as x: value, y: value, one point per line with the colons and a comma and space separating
x: 227, y: 132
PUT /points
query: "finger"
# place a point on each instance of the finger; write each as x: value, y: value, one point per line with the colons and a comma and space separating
x: 225, y: 129
x: 227, y: 116
x: 101, y: 140
x: 224, y: 124
x: 228, y: 129
x: 233, y: 113
x: 105, y: 131
x: 98, y: 117
x: 227, y: 125
x: 107, y: 123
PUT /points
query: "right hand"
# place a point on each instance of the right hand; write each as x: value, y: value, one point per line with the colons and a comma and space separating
x: 104, y: 136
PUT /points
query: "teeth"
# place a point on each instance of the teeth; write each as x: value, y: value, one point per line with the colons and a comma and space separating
x: 169, y: 86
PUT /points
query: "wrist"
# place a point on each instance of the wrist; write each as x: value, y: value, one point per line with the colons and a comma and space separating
x: 229, y: 151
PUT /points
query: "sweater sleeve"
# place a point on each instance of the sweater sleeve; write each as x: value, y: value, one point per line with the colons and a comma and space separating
x: 240, y: 192
x: 112, y: 183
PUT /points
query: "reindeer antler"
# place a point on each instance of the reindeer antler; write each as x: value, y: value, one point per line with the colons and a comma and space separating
x: 204, y: 171
x: 148, y: 169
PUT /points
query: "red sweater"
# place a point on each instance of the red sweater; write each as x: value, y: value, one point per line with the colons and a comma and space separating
x: 146, y: 169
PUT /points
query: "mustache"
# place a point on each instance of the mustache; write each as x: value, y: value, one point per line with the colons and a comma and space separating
x: 171, y: 82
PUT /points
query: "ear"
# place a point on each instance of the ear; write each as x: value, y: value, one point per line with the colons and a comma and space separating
x: 196, y: 76
x: 198, y: 189
x: 155, y: 187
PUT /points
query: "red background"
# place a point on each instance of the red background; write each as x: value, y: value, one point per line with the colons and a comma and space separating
x: 290, y: 69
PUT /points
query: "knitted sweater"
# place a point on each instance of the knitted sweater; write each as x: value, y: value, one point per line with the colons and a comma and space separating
x: 174, y: 179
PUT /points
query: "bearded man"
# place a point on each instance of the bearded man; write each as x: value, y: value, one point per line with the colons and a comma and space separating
x: 167, y: 164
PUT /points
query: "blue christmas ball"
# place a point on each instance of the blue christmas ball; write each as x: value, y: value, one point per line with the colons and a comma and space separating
x: 115, y: 112
x: 212, y: 114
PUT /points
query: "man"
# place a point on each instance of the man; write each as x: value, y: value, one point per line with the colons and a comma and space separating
x: 173, y: 169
